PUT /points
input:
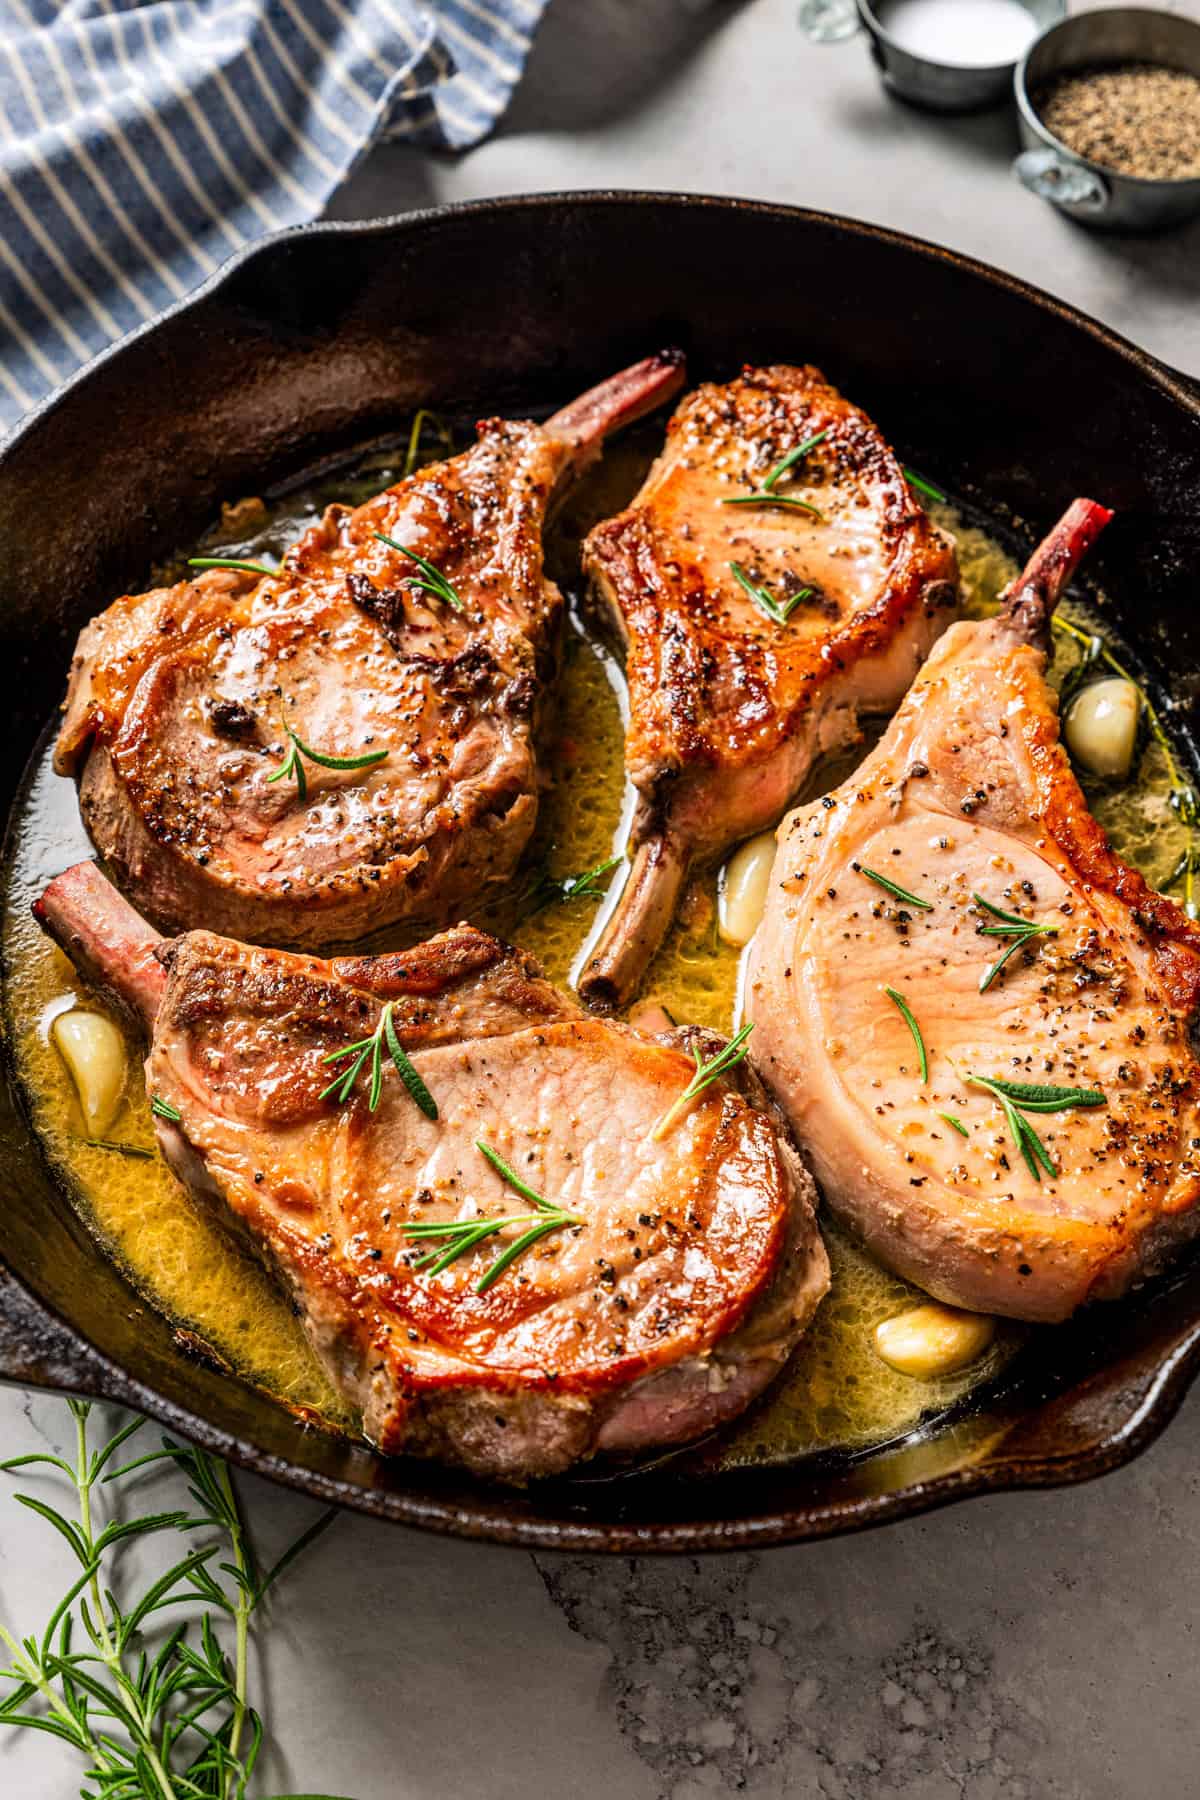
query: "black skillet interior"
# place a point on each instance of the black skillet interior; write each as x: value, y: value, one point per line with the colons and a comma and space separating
x: 322, y: 338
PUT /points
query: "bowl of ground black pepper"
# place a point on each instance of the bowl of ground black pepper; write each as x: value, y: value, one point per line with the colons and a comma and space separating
x: 1108, y: 107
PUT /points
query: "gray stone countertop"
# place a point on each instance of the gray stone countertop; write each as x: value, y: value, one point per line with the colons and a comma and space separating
x: 1027, y: 1647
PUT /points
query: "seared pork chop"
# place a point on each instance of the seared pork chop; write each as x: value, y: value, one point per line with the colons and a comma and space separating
x: 423, y: 680
x: 1051, y: 1155
x: 763, y: 608
x: 668, y: 1277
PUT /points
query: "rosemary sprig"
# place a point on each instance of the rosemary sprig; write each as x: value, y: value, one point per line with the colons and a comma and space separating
x: 156, y: 1712
x: 431, y: 580
x: 163, y: 1110
x: 706, y: 1073
x: 1035, y: 1097
x: 766, y: 494
x: 413, y: 459
x: 292, y: 763
x: 550, y: 890
x: 370, y: 1049
x: 892, y: 887
x: 906, y: 1013
x: 780, y: 611
x: 923, y: 487
x: 229, y: 562
x: 137, y: 1151
x: 455, y: 1237
x: 1013, y: 926
x: 1183, y: 798
x: 955, y: 1124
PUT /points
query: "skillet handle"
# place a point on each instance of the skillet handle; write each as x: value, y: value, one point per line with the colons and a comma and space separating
x: 37, y: 1349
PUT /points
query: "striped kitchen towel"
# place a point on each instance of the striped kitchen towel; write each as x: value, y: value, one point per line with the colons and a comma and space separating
x: 142, y: 142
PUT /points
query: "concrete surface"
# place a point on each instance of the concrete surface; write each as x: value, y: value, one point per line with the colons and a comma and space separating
x: 1022, y: 1648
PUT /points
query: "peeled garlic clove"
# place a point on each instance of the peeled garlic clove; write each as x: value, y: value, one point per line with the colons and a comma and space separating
x: 928, y: 1341
x: 742, y: 892
x: 1101, y: 727
x: 94, y: 1052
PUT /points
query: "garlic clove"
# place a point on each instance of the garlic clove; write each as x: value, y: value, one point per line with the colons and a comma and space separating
x: 1101, y: 727
x: 742, y: 890
x: 94, y: 1051
x: 929, y: 1341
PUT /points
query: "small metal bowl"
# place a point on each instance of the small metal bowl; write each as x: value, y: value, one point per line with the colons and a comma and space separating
x: 1085, y: 190
x: 938, y: 86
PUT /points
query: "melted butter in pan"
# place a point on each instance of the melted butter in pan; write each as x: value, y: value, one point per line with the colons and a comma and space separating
x: 837, y: 1393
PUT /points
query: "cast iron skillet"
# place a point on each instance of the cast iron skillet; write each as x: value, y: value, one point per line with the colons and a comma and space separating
x: 320, y: 338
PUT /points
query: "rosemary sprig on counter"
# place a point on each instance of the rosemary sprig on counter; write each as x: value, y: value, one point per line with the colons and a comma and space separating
x: 906, y: 1013
x: 156, y: 1710
x: 293, y: 764
x: 1019, y: 1097
x: 431, y: 580
x: 892, y: 887
x: 706, y: 1073
x: 229, y: 562
x: 779, y: 611
x: 1013, y: 926
x: 456, y: 1237
x: 371, y: 1049
x: 766, y: 495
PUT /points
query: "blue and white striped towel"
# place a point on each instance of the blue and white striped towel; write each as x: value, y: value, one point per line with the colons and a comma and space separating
x: 142, y: 142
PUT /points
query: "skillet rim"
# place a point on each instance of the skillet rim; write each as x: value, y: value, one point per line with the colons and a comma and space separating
x: 71, y: 1364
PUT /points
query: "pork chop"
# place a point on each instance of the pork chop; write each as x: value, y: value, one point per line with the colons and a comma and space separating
x: 352, y: 740
x: 774, y: 578
x: 645, y: 1288
x: 1049, y: 1157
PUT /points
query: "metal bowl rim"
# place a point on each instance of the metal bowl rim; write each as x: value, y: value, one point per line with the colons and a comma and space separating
x: 1171, y: 184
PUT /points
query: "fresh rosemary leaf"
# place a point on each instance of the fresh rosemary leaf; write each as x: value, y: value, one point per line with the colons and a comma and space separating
x: 998, y: 912
x: 293, y: 764
x: 766, y: 494
x: 1013, y: 926
x: 906, y: 1014
x: 955, y: 1124
x: 789, y: 461
x: 549, y: 890
x: 452, y: 1238
x: 370, y: 1050
x: 779, y: 611
x: 1018, y: 1097
x: 152, y: 1709
x: 706, y: 1073
x: 404, y: 1068
x: 413, y: 459
x: 111, y: 1144
x: 163, y: 1110
x: 892, y: 887
x: 1039, y: 1096
x: 434, y: 582
x: 229, y: 562
x: 765, y: 499
x: 923, y: 487
x: 510, y: 1175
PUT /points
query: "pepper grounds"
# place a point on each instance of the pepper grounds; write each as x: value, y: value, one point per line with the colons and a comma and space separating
x: 1134, y: 118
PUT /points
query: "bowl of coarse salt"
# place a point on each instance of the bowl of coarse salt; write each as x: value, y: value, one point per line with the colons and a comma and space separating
x: 1108, y: 107
x: 951, y: 56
